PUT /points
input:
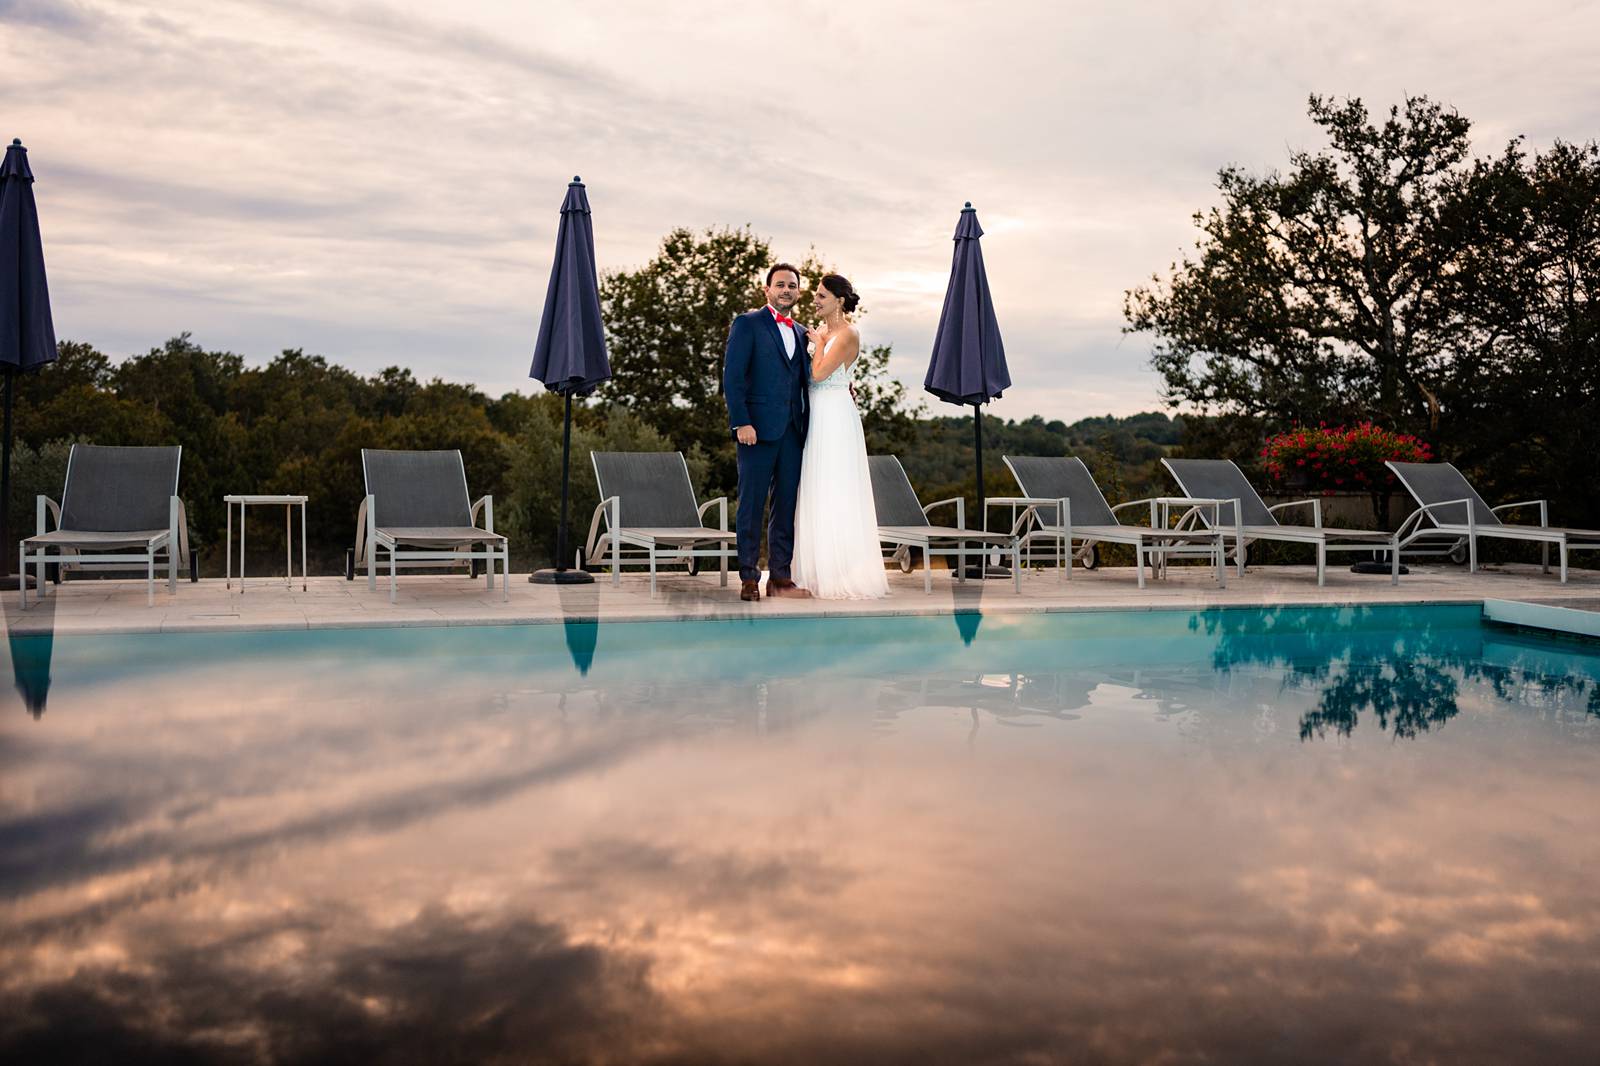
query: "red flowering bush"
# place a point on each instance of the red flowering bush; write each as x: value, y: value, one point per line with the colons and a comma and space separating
x: 1341, y: 459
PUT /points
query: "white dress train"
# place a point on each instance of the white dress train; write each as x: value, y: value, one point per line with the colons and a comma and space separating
x: 837, y: 555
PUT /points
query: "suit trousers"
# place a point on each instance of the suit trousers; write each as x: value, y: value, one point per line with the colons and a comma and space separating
x: 768, y: 469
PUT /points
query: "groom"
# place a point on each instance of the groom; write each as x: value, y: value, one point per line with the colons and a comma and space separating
x: 765, y: 373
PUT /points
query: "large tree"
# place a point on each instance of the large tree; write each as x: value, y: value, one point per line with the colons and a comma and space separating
x: 1525, y: 394
x: 667, y: 327
x: 1317, y: 293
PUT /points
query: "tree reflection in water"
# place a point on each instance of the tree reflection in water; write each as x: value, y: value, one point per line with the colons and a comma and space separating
x: 1406, y: 668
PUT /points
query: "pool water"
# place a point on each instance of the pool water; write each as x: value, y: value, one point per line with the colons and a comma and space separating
x: 1293, y: 835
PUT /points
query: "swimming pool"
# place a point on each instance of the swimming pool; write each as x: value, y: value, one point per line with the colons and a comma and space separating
x: 1308, y: 835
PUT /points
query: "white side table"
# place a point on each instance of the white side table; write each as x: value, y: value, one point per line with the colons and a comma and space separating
x: 288, y: 503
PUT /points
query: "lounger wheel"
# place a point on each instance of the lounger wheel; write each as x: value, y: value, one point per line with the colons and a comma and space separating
x: 1091, y: 558
x: 194, y: 567
x: 1458, y: 554
x: 349, y: 564
x: 905, y: 559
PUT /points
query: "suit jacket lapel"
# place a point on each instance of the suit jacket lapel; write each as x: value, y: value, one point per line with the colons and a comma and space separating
x: 775, y: 335
x: 801, y: 358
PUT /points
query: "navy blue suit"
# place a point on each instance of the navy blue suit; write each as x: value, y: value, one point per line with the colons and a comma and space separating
x: 766, y: 389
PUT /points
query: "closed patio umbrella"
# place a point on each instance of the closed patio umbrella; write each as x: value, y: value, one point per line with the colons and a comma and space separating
x: 570, y: 354
x: 27, y: 335
x: 969, y: 361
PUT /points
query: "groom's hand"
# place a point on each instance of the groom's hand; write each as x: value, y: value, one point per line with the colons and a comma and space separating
x: 745, y: 434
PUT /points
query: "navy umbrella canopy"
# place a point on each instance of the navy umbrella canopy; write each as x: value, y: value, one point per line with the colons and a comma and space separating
x: 570, y: 355
x: 27, y: 334
x: 969, y: 360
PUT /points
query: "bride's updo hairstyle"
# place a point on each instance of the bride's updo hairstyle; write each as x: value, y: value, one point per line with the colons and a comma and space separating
x: 840, y: 286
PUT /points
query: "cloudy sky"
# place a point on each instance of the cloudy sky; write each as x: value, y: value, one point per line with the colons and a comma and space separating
x: 378, y: 181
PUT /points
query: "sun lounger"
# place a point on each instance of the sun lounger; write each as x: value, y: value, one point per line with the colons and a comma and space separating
x: 119, y: 510
x: 1071, y: 512
x: 1448, y: 506
x: 903, y: 522
x: 1222, y: 478
x: 648, y: 513
x: 416, y: 514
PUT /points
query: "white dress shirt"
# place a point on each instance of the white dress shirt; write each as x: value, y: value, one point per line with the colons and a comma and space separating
x: 787, y: 331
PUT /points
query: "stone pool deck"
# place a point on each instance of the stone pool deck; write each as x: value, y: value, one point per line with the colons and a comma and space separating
x: 99, y: 606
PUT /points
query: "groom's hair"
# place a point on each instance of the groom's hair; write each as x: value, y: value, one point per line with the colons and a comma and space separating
x: 783, y: 266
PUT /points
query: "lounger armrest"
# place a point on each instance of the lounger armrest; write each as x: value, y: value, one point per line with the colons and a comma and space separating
x: 1427, y: 508
x: 178, y: 529
x: 366, y: 527
x: 721, y: 503
x: 1148, y: 502
x: 1030, y: 510
x: 1543, y: 505
x: 961, y: 509
x: 1316, y: 509
x: 601, y: 511
x: 41, y: 505
x: 485, y: 506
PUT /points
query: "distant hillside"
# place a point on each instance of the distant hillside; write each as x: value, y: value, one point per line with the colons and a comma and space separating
x: 1124, y: 453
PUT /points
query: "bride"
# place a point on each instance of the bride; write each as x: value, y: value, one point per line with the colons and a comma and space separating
x: 837, y: 554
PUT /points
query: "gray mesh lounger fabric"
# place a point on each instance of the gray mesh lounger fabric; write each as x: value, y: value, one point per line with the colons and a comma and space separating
x: 652, y: 489
x: 1221, y: 479
x: 652, y: 508
x: 438, y: 536
x: 417, y: 489
x: 112, y: 490
x: 1058, y: 477
x: 70, y: 538
x: 896, y: 501
x: 1441, y: 483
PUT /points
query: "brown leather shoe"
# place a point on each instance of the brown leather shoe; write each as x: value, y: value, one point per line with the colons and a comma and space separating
x: 749, y: 590
x: 782, y: 586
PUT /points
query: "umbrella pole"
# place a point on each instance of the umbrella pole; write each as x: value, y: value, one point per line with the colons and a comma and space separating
x: 977, y: 437
x: 5, y: 479
x: 982, y: 569
x: 561, y: 575
x: 566, y: 479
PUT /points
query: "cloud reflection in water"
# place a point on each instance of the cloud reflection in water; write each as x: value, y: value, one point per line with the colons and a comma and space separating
x: 793, y: 842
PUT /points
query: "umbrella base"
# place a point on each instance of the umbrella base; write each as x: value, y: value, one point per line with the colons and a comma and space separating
x: 987, y: 573
x: 561, y: 577
x: 1372, y: 566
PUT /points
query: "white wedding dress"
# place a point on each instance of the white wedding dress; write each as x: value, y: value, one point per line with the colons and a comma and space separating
x: 837, y: 555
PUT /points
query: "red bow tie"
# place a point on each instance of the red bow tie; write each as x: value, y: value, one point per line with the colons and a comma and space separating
x: 782, y: 320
